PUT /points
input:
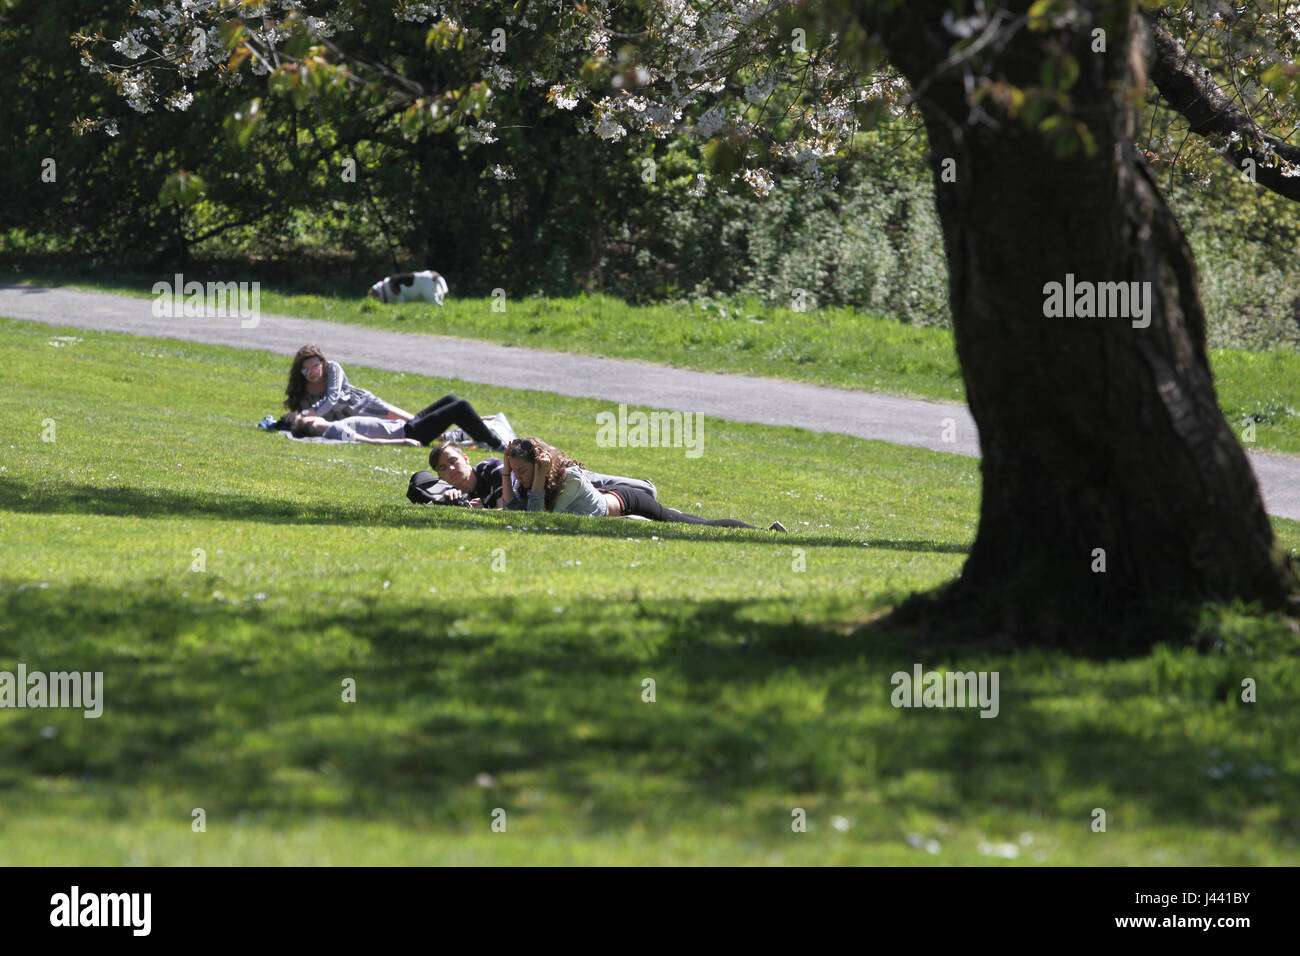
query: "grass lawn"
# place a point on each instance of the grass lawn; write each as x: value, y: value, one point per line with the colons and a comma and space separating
x: 522, y: 688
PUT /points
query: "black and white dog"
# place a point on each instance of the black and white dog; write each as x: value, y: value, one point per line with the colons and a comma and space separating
x: 424, y: 286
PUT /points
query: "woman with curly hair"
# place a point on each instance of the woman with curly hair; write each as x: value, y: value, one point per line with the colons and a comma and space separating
x: 555, y: 482
x: 320, y: 387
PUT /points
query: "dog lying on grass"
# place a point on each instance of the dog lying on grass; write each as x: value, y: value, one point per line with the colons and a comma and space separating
x: 424, y: 286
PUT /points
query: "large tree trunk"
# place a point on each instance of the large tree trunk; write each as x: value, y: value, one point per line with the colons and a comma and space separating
x: 1095, y: 434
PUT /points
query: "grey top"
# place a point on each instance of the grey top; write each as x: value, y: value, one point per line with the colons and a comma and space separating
x: 367, y: 426
x: 603, y: 481
x: 343, y: 399
x: 577, y: 497
x: 599, y: 481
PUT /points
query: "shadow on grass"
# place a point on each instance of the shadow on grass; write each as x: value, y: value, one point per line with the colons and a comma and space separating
x: 124, y: 501
x: 238, y: 709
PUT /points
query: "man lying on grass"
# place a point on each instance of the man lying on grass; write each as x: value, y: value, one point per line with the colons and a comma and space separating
x: 478, y: 486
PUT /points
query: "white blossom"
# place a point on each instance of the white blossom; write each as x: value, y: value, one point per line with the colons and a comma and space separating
x: 598, y: 41
x: 693, y: 49
x: 760, y: 91
x: 130, y: 46
x: 500, y: 76
x: 138, y: 90
x: 561, y: 97
x: 759, y: 180
x: 712, y: 121
x: 418, y: 12
x: 483, y: 132
x: 609, y: 129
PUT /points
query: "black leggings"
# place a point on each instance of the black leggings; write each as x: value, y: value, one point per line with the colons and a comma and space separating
x: 641, y: 503
x: 445, y: 412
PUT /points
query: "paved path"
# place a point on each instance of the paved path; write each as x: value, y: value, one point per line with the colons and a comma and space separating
x: 739, y: 398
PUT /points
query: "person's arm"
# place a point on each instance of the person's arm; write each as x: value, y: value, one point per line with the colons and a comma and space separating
x: 507, y: 490
x: 388, y: 441
x: 490, y: 478
x: 509, y: 498
x: 337, y: 431
x: 537, y: 493
x: 445, y: 494
x: 333, y: 391
x: 517, y: 502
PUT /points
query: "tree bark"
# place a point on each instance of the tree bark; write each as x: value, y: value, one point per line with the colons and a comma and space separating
x: 1097, y: 436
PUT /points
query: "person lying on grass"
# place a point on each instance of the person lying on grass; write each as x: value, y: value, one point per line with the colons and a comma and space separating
x: 555, y: 482
x: 482, y: 485
x: 423, y: 429
x: 355, y: 428
x: 321, y: 388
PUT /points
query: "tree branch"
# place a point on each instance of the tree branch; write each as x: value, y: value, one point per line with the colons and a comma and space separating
x: 1191, y: 90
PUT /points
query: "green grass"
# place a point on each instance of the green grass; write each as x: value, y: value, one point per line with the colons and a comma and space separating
x: 749, y: 338
x: 522, y: 689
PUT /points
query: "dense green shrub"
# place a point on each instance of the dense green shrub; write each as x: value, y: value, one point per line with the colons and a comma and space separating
x: 1246, y: 241
x: 873, y: 243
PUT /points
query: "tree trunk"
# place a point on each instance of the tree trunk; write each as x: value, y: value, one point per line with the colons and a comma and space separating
x: 1101, y: 441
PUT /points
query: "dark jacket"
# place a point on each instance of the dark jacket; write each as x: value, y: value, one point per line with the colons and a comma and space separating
x: 426, y: 488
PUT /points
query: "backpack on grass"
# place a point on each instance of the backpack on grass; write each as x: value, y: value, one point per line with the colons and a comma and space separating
x: 426, y: 488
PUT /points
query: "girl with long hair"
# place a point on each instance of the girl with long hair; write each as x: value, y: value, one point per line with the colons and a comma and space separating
x: 555, y: 482
x: 320, y: 387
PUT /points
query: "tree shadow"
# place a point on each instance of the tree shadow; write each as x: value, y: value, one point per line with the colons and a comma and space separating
x: 241, y: 707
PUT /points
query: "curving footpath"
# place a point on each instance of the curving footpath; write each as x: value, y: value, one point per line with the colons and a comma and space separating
x: 740, y: 398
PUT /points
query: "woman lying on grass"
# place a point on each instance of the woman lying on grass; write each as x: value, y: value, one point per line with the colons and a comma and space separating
x: 362, y: 428
x: 424, y: 429
x: 321, y: 388
x: 555, y: 482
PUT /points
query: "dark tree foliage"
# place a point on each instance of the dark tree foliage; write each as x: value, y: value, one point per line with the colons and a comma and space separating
x: 420, y: 198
